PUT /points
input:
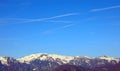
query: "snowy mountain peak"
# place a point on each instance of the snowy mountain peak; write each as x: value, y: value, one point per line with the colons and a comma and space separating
x: 108, y: 58
x: 3, y: 60
x: 45, y: 56
x: 6, y: 60
x: 60, y: 59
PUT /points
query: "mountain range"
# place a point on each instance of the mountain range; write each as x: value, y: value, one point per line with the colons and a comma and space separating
x: 51, y: 62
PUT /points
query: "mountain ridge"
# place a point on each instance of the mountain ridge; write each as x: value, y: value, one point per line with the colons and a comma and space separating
x: 48, y: 62
x: 44, y: 56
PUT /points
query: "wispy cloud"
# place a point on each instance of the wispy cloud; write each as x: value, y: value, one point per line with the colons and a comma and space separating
x: 56, y: 29
x: 54, y: 17
x: 59, y: 21
x: 66, y: 26
x: 49, y: 19
x: 9, y: 21
x: 105, y: 8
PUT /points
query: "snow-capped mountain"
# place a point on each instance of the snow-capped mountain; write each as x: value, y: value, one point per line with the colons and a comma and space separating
x: 3, y: 60
x: 46, y: 57
x: 67, y: 59
x: 48, y: 62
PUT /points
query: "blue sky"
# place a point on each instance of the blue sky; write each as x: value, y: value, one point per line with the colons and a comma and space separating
x: 66, y: 27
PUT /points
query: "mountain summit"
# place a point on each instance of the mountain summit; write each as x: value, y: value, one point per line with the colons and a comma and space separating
x: 48, y: 62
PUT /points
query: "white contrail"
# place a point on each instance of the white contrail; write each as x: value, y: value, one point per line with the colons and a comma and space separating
x: 56, y: 29
x: 22, y: 20
x: 50, y: 18
x: 106, y: 8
